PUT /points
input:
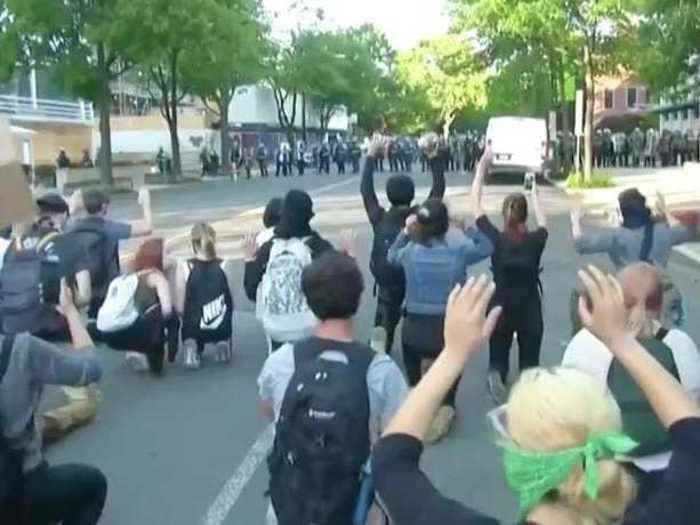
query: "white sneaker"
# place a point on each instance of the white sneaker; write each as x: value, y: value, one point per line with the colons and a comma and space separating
x: 497, y: 390
x: 223, y: 353
x: 378, y: 341
x: 136, y: 361
x: 192, y: 360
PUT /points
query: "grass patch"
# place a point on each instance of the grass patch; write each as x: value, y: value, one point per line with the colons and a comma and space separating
x: 575, y: 181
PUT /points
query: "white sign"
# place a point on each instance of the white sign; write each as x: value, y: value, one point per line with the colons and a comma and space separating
x: 578, y: 130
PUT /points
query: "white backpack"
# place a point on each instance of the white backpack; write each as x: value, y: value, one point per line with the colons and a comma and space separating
x: 285, y: 314
x: 119, y: 310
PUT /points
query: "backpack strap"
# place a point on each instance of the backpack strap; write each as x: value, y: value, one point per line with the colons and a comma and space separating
x: 647, y: 242
x: 662, y: 333
x: 8, y: 344
x: 46, y: 239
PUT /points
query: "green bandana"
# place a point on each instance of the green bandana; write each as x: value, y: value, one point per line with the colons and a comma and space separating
x: 532, y: 475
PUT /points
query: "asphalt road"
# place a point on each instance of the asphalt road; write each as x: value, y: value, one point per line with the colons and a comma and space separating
x: 169, y: 446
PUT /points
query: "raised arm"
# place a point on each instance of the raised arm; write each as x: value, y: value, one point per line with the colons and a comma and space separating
x: 540, y: 217
x: 144, y: 226
x: 607, y: 321
x: 478, y: 184
x: 369, y: 194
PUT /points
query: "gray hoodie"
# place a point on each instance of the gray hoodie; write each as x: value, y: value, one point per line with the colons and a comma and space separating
x: 33, y: 364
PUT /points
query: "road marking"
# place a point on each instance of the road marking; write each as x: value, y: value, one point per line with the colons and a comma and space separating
x: 232, y: 489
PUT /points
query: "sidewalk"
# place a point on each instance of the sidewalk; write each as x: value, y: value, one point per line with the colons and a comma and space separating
x: 679, y: 186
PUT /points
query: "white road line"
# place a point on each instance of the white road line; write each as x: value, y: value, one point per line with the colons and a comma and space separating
x: 231, y: 491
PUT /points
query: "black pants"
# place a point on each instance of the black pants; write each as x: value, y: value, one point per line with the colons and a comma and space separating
x: 422, y: 338
x: 263, y: 168
x: 66, y: 494
x: 300, y: 167
x: 526, y: 321
x: 388, y: 316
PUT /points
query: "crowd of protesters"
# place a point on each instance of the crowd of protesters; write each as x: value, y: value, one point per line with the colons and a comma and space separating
x: 611, y: 436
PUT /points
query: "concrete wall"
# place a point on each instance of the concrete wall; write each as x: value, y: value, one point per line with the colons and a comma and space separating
x: 255, y: 105
x: 50, y: 138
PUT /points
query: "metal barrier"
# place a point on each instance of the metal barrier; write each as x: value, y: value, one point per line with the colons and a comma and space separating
x: 43, y: 110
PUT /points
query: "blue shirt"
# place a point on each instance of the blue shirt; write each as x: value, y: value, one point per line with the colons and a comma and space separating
x: 433, y: 270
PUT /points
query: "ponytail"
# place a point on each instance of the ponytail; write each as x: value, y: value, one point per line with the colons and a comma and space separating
x: 204, y: 240
x: 515, y: 215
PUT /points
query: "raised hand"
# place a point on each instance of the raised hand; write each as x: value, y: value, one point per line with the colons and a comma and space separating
x: 348, y: 242
x: 250, y: 247
x: 602, y: 307
x: 467, y: 326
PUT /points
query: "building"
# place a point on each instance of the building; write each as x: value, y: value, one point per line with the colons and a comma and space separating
x: 44, y: 121
x: 621, y: 102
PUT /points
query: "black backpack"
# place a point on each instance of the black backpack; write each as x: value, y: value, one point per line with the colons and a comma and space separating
x: 209, y: 305
x: 101, y: 251
x: 387, y: 276
x: 10, y: 459
x: 29, y: 287
x: 322, y: 438
x: 638, y: 417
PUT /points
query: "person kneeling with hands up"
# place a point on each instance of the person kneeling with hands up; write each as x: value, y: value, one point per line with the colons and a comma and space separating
x: 562, y: 437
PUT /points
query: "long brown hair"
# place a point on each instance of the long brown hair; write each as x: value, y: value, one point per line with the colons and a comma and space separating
x: 515, y: 216
x: 149, y: 256
x: 204, y: 240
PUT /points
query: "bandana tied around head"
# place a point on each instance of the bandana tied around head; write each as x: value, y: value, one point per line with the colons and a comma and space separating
x: 532, y: 475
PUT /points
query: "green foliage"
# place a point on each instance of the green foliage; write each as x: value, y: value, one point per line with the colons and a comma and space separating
x: 576, y: 181
x: 446, y: 72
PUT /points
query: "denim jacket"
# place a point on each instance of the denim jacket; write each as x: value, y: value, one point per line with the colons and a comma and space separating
x: 433, y: 270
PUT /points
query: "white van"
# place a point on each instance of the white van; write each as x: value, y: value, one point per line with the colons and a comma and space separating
x: 518, y: 144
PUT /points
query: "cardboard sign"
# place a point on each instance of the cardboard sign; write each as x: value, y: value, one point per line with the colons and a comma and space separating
x: 16, y: 201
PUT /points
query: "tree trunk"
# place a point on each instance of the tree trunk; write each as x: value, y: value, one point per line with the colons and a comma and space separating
x: 225, y: 101
x: 447, y: 125
x: 565, y: 122
x: 174, y: 139
x: 588, y: 121
x: 104, y: 102
x: 303, y: 118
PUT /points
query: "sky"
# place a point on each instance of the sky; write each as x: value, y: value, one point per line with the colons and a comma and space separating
x: 405, y: 22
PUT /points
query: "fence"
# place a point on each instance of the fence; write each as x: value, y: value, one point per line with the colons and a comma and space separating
x: 42, y: 110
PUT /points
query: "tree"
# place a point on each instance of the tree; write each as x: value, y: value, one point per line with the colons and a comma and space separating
x: 287, y: 82
x: 585, y: 34
x: 668, y: 45
x: 448, y: 72
x: 79, y: 40
x: 164, y: 31
x: 231, y: 56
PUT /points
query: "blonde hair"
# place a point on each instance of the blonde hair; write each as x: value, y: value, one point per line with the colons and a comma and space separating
x: 560, y: 408
x: 204, y: 240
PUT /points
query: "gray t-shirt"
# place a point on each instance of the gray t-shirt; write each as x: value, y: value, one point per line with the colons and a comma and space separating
x: 33, y: 364
x: 387, y: 386
x: 624, y: 246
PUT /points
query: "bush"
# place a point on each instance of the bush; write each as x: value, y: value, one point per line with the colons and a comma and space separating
x: 598, y: 180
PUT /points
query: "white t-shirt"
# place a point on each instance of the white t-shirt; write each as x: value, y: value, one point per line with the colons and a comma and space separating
x: 387, y: 386
x: 588, y: 354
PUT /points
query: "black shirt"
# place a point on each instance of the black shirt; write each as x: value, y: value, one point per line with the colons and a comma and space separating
x: 411, y: 499
x: 62, y: 248
x: 530, y: 248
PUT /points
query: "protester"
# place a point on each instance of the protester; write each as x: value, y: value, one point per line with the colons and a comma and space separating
x: 642, y: 286
x: 641, y: 237
x: 364, y: 389
x: 62, y: 161
x: 41, y: 494
x: 562, y: 430
x: 277, y: 266
x: 261, y: 157
x: 433, y: 265
x: 204, y: 300
x: 138, y: 313
x: 516, y: 264
x: 99, y: 237
x: 386, y: 226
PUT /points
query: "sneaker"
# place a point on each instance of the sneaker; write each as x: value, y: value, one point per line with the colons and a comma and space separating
x: 378, y: 341
x: 223, y: 353
x: 442, y: 424
x: 497, y: 390
x: 137, y: 362
x: 192, y: 360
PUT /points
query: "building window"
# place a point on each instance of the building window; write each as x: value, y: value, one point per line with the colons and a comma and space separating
x: 696, y: 111
x: 674, y: 115
x: 609, y: 99
x: 685, y: 114
x: 631, y: 97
